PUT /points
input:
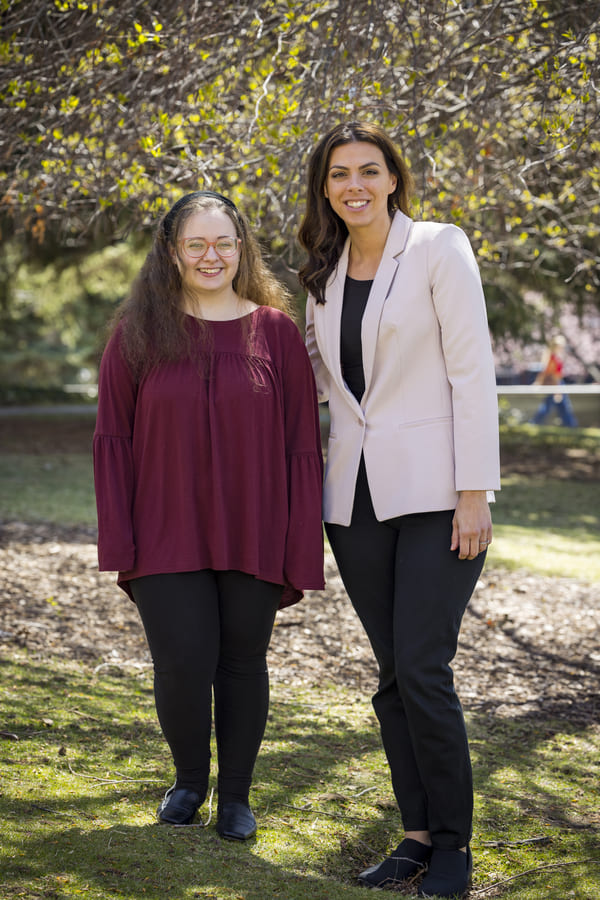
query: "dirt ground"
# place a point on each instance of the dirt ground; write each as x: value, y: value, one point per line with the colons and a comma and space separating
x: 529, y: 644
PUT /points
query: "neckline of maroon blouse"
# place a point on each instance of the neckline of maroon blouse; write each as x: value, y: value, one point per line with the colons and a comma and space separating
x: 223, y: 321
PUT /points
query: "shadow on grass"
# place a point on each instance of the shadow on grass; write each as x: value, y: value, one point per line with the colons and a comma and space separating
x: 151, y: 861
x: 72, y: 822
x: 539, y: 502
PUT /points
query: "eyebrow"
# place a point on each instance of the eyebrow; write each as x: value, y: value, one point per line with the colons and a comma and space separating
x: 362, y: 165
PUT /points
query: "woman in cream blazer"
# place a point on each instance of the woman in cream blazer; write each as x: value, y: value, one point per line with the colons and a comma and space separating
x: 427, y: 422
x: 398, y: 338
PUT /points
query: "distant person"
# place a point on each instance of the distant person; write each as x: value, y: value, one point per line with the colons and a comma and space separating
x: 398, y: 337
x: 552, y: 373
x: 208, y: 475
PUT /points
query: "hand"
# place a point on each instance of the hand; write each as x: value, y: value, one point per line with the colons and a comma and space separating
x: 471, y: 525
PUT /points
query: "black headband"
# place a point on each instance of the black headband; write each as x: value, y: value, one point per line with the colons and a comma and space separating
x: 183, y: 201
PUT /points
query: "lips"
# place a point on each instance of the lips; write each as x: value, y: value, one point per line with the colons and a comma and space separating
x: 357, y: 204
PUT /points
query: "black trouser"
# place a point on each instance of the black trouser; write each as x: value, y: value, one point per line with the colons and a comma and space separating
x: 410, y: 592
x: 210, y: 630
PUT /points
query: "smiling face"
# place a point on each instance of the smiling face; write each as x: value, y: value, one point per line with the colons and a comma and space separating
x: 211, y: 273
x: 358, y: 184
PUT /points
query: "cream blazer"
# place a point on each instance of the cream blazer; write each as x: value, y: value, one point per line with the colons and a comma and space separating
x: 427, y: 423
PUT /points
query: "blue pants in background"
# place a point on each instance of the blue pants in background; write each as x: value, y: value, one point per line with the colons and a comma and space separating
x: 550, y: 405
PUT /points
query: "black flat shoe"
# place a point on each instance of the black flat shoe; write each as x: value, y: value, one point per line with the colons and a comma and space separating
x: 235, y: 821
x: 449, y: 874
x: 179, y: 807
x: 409, y: 858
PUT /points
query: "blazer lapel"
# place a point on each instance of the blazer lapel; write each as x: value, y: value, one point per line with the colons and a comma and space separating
x: 331, y: 321
x: 382, y: 284
x: 328, y: 323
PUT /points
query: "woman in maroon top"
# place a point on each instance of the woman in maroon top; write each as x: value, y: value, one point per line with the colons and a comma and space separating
x: 208, y: 472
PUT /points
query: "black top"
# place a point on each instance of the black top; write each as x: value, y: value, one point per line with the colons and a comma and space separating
x: 356, y: 294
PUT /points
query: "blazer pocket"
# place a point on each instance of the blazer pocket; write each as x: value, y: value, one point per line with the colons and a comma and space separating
x: 426, y: 423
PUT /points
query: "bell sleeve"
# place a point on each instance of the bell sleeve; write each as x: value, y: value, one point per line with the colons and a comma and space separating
x: 303, y: 563
x: 113, y: 460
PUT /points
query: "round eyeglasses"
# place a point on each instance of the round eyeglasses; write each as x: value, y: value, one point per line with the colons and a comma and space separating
x: 196, y: 247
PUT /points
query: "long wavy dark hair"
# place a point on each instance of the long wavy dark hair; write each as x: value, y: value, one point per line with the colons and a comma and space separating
x: 322, y: 233
x: 152, y: 323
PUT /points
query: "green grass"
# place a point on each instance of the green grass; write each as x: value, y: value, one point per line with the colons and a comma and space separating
x: 86, y: 765
x: 49, y: 487
x: 544, y: 523
x: 550, y: 526
x: 547, y: 526
x: 81, y: 783
x: 544, y: 437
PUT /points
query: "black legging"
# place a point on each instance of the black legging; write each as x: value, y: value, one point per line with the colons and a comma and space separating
x: 410, y: 592
x: 210, y: 630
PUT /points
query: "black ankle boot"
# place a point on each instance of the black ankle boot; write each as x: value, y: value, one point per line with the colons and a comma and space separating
x: 449, y: 874
x: 179, y: 807
x: 409, y: 858
x: 235, y: 821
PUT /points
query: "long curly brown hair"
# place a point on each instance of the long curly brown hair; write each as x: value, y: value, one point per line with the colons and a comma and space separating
x: 151, y: 321
x: 322, y: 233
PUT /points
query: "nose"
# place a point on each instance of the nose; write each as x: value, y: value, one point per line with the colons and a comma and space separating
x: 355, y: 181
x: 211, y: 253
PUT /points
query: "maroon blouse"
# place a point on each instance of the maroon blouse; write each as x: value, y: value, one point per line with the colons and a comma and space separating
x: 214, y: 466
